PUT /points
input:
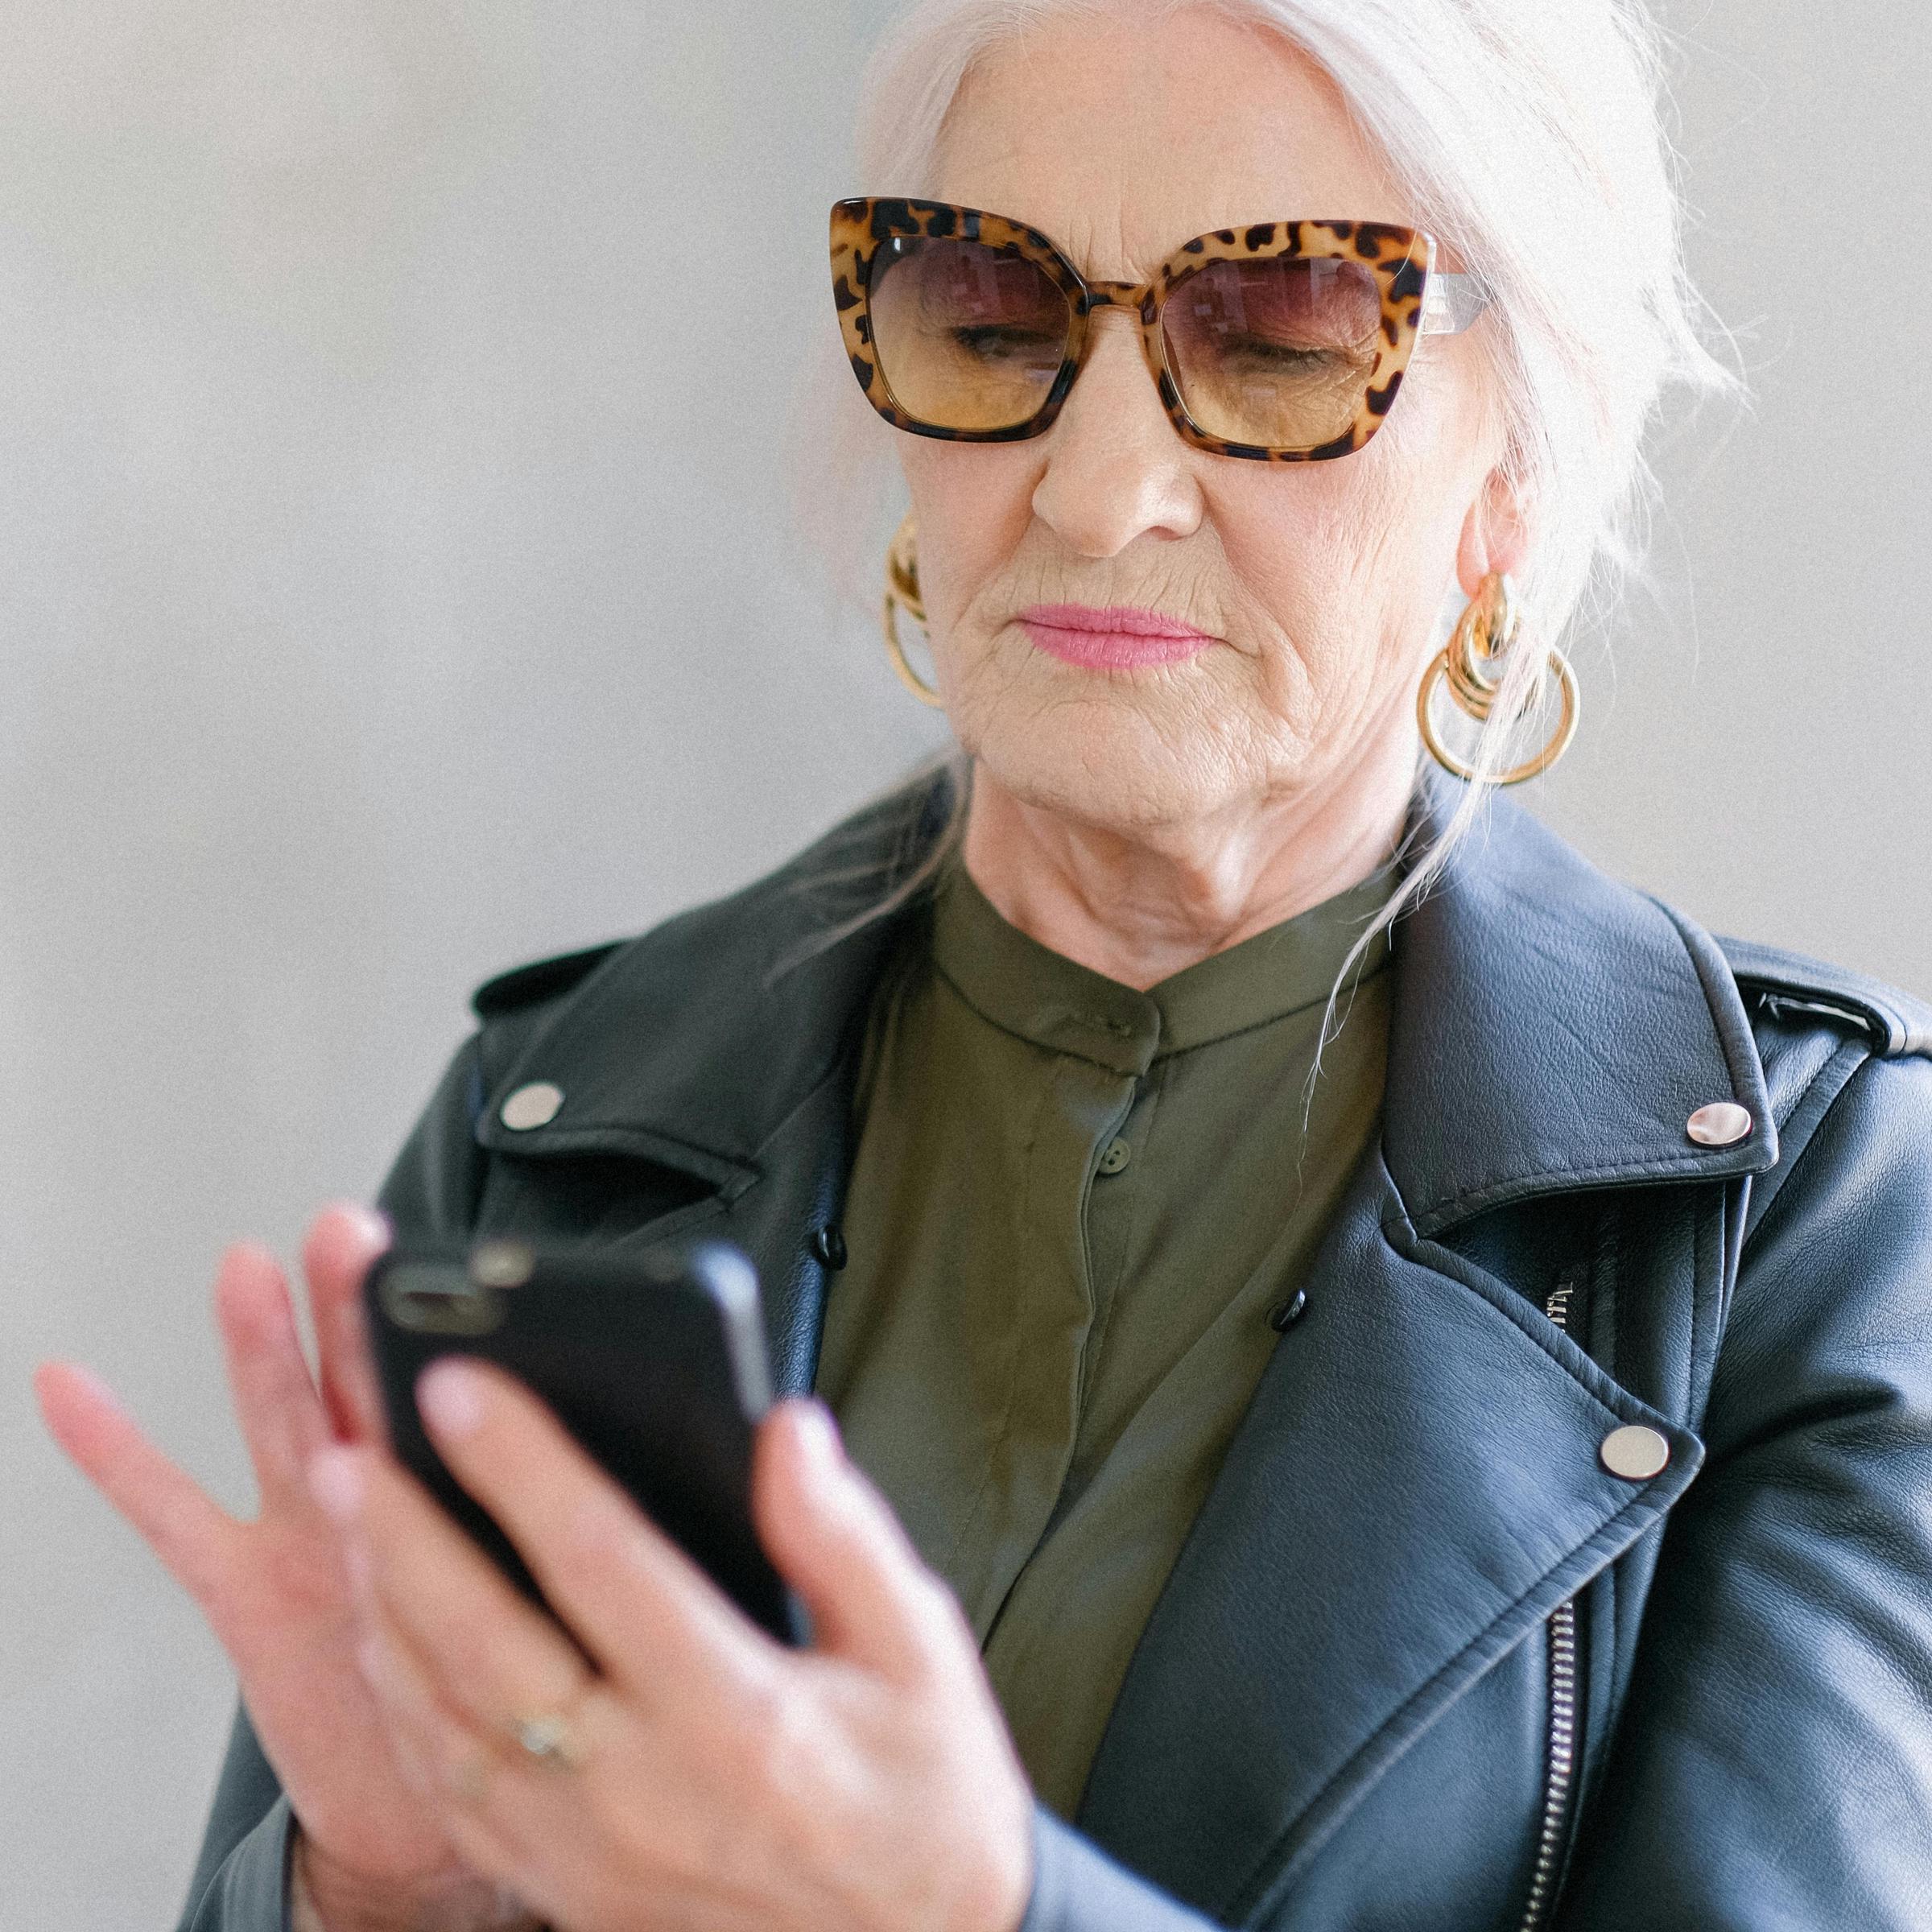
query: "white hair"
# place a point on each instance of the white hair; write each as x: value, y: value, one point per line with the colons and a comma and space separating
x: 1528, y: 135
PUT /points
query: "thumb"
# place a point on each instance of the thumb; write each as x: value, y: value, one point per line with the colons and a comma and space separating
x: 835, y: 1541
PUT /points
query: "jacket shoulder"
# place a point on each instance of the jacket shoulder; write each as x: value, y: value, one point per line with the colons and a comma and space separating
x: 539, y: 980
x: 1822, y: 1030
x: 739, y: 936
x: 1787, y: 987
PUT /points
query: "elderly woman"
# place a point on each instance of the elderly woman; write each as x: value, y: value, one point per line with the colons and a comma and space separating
x: 1382, y: 1375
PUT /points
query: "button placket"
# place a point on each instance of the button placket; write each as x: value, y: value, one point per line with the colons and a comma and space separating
x: 1108, y: 1209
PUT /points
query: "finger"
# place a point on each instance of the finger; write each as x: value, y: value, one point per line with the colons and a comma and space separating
x: 445, y: 1759
x: 342, y: 1244
x: 515, y: 1826
x: 442, y: 1750
x: 491, y: 1654
x: 193, y: 1537
x: 275, y: 1398
x: 644, y: 1609
x: 835, y: 1541
x: 485, y: 1770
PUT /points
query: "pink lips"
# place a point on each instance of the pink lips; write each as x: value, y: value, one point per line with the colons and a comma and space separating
x: 1119, y: 637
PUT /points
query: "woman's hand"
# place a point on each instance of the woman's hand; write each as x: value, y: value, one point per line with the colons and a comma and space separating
x: 275, y: 1592
x: 694, y: 1773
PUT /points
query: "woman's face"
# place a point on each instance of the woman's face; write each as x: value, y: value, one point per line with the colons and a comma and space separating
x: 1319, y: 582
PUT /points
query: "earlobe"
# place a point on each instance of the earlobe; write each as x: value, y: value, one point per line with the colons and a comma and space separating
x: 1496, y: 535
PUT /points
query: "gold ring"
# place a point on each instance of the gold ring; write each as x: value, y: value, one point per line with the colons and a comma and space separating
x: 546, y: 1735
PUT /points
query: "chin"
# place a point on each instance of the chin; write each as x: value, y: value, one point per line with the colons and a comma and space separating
x: 1112, y: 765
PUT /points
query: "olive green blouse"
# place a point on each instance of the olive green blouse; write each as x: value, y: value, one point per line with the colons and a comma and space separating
x: 1077, y: 1219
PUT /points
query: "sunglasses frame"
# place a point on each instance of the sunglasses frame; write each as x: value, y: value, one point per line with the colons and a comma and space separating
x: 1417, y: 299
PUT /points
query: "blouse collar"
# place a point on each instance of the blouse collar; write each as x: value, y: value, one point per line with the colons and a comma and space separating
x: 1026, y: 988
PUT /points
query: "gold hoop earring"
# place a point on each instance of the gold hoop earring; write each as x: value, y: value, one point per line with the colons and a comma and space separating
x: 902, y: 593
x: 1471, y: 664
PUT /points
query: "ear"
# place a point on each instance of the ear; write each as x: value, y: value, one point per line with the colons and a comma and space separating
x: 1496, y: 534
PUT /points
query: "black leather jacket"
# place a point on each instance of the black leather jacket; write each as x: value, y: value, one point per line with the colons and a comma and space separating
x: 1425, y: 1663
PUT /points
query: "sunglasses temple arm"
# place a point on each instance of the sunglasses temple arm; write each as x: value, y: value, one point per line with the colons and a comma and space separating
x: 1451, y: 303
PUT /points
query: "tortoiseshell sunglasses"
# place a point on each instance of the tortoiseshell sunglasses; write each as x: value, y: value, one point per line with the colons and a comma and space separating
x: 1287, y: 343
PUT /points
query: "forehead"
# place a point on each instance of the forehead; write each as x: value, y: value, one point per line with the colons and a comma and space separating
x: 1121, y: 142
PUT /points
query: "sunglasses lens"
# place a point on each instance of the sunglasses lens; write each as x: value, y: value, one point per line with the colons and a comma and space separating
x: 1277, y: 351
x: 967, y: 337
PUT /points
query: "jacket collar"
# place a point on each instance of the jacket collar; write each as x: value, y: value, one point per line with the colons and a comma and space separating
x: 1554, y: 1030
x: 1551, y: 1029
x: 694, y: 1045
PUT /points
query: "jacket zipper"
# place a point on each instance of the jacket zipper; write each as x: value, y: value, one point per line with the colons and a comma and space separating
x: 1560, y: 1763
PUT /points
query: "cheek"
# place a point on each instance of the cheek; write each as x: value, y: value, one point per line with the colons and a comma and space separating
x: 973, y: 502
x: 1335, y: 564
x: 1362, y: 551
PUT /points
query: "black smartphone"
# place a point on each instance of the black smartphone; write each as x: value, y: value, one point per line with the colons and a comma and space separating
x: 655, y: 1362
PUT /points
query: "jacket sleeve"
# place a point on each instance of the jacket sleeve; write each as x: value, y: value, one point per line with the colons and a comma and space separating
x: 1077, y: 1888
x: 239, y: 1882
x: 1773, y: 1765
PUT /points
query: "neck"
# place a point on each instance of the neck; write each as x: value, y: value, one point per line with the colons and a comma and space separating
x: 1143, y: 904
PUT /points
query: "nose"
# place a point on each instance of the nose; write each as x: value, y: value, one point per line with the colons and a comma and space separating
x: 1114, y: 467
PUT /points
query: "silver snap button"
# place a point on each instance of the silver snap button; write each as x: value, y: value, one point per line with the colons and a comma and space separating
x: 1116, y: 1157
x: 1634, y: 1452
x: 533, y: 1106
x: 1723, y: 1124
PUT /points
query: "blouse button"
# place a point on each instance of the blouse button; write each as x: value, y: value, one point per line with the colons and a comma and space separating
x: 828, y: 1247
x: 1283, y: 1313
x: 1116, y: 1157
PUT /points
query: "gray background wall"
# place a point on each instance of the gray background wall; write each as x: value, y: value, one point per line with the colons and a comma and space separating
x: 383, y: 599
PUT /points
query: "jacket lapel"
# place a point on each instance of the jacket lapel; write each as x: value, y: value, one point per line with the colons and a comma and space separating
x: 1414, y: 1487
x: 1554, y: 1030
x: 1416, y: 1484
x: 722, y: 1045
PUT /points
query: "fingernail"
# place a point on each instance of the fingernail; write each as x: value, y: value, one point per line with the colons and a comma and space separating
x: 373, y: 1227
x: 451, y: 1398
x: 95, y: 1386
x: 336, y: 1483
x: 820, y: 1435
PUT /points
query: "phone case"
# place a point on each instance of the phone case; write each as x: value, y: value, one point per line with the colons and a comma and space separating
x: 655, y: 1362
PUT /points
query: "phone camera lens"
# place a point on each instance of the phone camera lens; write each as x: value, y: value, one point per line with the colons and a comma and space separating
x: 502, y: 1265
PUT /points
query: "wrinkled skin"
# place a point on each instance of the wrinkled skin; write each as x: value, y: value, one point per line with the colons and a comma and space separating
x: 1138, y: 820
